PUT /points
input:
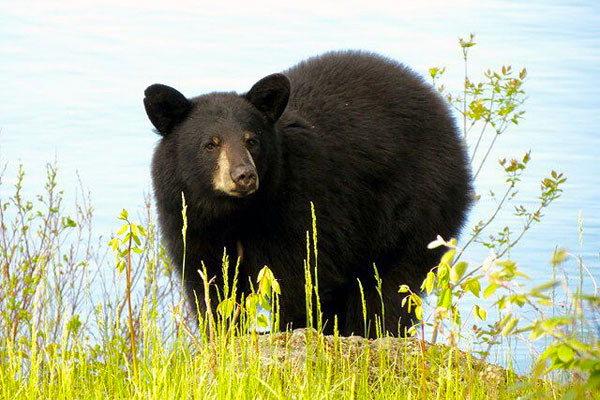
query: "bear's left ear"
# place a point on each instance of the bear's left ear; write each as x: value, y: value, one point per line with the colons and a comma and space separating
x: 270, y: 95
x: 165, y: 107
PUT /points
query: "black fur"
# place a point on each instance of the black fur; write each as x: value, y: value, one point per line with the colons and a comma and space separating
x: 270, y: 95
x: 165, y: 106
x: 364, y: 138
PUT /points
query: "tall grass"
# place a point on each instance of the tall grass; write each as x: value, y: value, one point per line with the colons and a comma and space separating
x: 64, y: 338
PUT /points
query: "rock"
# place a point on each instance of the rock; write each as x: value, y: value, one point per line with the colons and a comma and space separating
x: 405, y: 357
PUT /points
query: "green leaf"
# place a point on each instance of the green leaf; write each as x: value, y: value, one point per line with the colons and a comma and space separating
x: 433, y: 71
x: 225, y: 308
x: 114, y: 243
x: 266, y: 281
x: 275, y: 286
x: 142, y: 231
x: 501, y: 303
x: 588, y: 365
x: 251, y: 303
x: 559, y: 256
x: 428, y: 282
x: 419, y: 313
x: 262, y: 321
x: 540, y: 367
x: 536, y: 333
x: 458, y: 271
x: 68, y: 222
x: 506, y: 264
x: 74, y: 324
x: 518, y: 299
x: 593, y: 380
x: 416, y: 300
x: 565, y: 353
x: 121, y: 265
x: 264, y: 303
x: 448, y: 257
x: 403, y: 289
x: 544, y: 287
x: 579, y: 346
x: 136, y: 240
x: 480, y: 312
x: 490, y: 290
x: 508, y: 328
x: 124, y: 215
x: 473, y: 286
x: 123, y: 229
x: 445, y: 299
x: 443, y: 275
x: 264, y: 274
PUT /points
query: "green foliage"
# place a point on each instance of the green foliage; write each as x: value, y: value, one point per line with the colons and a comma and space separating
x: 501, y: 280
x: 129, y: 239
x: 567, y: 351
x: 265, y: 297
x: 41, y: 276
x: 91, y: 355
x: 493, y: 105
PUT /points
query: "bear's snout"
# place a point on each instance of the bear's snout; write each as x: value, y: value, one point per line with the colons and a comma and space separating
x: 235, y: 174
x: 245, y: 178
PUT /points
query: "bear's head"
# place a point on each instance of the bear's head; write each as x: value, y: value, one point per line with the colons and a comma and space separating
x: 220, y: 145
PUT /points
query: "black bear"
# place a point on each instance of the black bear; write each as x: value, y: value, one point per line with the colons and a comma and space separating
x: 363, y: 137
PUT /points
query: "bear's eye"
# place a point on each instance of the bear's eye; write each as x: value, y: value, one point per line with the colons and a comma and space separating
x: 210, y: 146
x: 252, y: 142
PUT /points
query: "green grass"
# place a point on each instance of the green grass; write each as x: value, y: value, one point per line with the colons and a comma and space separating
x: 300, y: 365
x: 63, y: 338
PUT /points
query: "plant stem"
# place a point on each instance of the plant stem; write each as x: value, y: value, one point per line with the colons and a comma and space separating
x: 131, y: 329
x: 487, y: 120
x: 487, y: 153
x: 489, y: 221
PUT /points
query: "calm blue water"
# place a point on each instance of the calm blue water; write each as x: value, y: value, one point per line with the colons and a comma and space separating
x: 72, y: 77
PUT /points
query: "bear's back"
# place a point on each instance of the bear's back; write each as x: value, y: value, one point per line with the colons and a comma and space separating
x: 366, y: 104
x: 350, y: 88
x: 374, y: 112
x: 389, y: 154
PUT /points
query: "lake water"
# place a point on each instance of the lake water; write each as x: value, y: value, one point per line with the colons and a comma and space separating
x: 72, y: 76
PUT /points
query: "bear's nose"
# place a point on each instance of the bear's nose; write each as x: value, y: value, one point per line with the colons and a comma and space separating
x: 244, y: 177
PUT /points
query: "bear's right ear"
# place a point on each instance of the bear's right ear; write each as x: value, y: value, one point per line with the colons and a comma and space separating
x: 165, y: 106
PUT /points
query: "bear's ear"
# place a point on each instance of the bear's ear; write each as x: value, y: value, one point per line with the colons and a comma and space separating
x: 270, y: 95
x: 165, y: 106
